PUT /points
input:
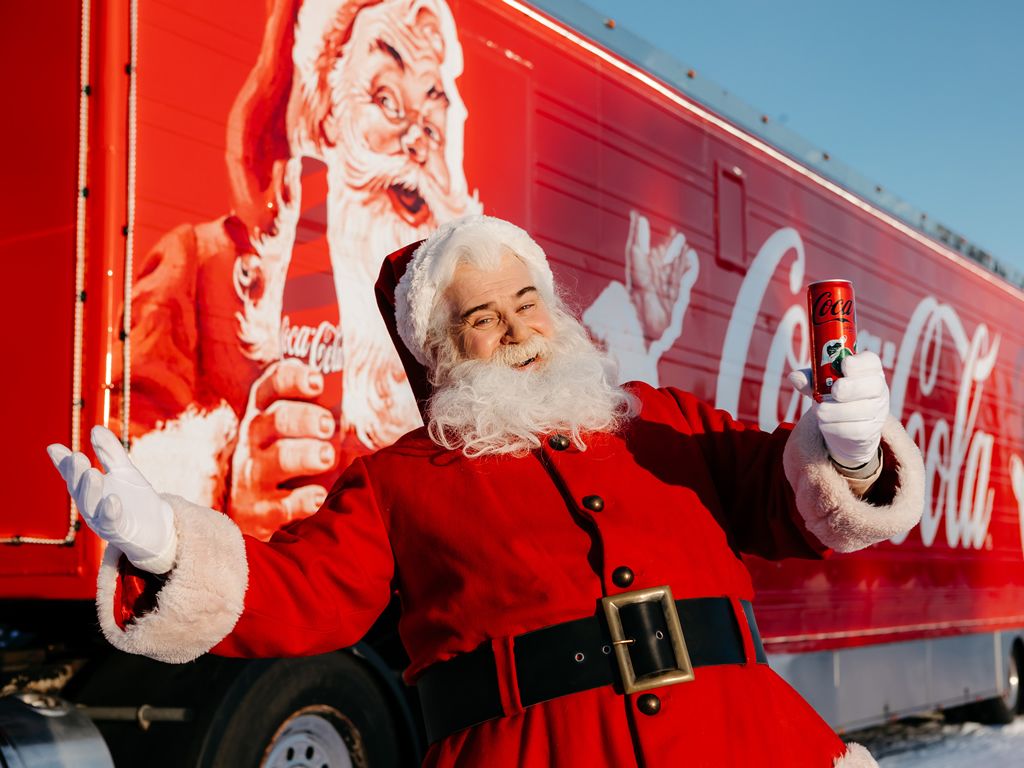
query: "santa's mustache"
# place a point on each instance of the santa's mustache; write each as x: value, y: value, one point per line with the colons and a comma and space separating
x: 372, y: 172
x: 516, y: 355
x: 374, y: 175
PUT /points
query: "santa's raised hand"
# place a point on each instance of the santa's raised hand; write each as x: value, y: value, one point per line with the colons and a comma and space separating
x: 119, y: 504
x: 658, y: 277
x: 851, y: 423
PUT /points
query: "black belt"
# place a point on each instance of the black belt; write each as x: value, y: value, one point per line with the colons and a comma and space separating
x: 584, y: 654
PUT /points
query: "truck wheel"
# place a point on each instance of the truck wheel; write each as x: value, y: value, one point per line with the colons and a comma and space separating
x: 1014, y: 696
x: 324, y: 711
x: 1001, y: 709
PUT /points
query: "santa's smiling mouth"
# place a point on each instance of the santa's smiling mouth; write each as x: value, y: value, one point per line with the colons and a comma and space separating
x: 527, y: 363
x: 409, y: 204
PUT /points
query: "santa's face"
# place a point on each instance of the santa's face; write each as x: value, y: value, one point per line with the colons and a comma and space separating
x: 515, y: 367
x: 392, y: 109
x: 499, y: 314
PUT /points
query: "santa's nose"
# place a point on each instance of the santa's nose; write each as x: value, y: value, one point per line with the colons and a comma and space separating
x: 516, y: 332
x: 414, y: 143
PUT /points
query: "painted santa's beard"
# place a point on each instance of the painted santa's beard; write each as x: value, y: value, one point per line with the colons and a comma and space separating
x: 399, y: 188
x: 500, y: 406
x: 363, y: 227
x: 362, y: 216
x: 377, y: 402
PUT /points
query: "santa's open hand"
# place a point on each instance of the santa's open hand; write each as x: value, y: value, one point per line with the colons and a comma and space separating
x: 658, y: 277
x: 119, y: 504
x: 852, y: 421
x: 282, y: 436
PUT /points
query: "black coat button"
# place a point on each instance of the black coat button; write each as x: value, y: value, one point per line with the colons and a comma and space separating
x: 593, y: 503
x: 648, y: 704
x: 622, y: 576
x: 558, y: 442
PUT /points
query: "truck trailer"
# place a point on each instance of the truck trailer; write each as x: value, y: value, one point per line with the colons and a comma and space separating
x: 200, y: 194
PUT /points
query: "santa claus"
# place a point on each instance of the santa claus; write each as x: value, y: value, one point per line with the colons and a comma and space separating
x: 261, y: 365
x: 567, y: 550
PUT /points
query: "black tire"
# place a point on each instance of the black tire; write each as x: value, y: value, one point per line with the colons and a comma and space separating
x: 1000, y: 710
x: 991, y: 712
x: 339, y: 702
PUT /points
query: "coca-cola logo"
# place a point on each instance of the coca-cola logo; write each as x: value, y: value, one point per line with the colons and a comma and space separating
x: 829, y: 310
x: 936, y: 359
x: 319, y: 347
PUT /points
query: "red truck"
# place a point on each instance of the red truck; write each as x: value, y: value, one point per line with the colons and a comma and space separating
x: 201, y: 193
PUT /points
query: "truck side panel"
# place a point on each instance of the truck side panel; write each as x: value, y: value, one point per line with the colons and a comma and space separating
x: 39, y: 221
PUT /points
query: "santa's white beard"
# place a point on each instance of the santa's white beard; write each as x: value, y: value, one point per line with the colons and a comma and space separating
x: 486, y: 407
x: 360, y: 211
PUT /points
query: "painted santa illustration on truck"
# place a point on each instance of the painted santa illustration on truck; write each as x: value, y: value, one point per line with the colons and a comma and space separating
x: 261, y: 365
x: 344, y: 143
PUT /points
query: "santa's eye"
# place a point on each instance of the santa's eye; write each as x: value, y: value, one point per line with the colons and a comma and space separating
x: 433, y: 133
x: 388, y: 102
x: 527, y: 307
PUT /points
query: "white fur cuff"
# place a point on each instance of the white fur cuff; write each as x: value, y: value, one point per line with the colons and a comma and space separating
x: 856, y: 757
x: 837, y: 517
x: 202, y: 599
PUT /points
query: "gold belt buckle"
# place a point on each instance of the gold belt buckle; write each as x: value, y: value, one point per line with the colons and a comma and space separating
x: 681, y: 673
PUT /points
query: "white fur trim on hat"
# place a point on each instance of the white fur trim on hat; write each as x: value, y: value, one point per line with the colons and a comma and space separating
x: 202, y: 599
x: 856, y: 757
x: 434, y: 262
x: 831, y: 510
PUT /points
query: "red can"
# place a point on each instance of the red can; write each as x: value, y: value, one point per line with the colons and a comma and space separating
x: 833, y: 320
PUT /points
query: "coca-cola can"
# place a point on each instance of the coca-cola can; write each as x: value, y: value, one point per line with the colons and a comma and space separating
x: 833, y: 321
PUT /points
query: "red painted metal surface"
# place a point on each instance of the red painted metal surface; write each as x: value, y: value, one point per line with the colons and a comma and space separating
x: 37, y: 243
x: 588, y: 156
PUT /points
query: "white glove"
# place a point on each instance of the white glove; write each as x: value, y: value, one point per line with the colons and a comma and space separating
x: 852, y: 422
x: 120, y: 506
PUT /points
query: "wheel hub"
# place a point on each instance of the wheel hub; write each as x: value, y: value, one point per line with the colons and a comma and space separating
x: 1011, y: 696
x: 308, y: 739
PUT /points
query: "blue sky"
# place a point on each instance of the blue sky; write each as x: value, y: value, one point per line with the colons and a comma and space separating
x: 924, y: 98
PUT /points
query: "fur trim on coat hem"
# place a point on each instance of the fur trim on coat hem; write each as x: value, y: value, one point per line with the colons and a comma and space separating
x: 831, y: 511
x: 186, y: 456
x: 202, y: 599
x: 856, y: 757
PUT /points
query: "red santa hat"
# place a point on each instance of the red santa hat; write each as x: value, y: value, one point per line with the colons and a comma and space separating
x: 433, y: 263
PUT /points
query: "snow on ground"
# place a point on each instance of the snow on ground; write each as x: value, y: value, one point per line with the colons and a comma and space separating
x: 933, y: 743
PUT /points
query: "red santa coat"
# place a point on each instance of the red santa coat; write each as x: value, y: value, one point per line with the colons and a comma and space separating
x: 481, y: 550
